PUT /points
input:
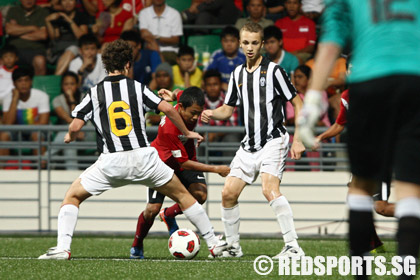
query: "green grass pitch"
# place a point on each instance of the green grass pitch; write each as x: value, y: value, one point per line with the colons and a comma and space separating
x: 107, y: 258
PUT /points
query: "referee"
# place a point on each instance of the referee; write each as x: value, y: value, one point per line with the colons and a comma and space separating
x: 116, y: 106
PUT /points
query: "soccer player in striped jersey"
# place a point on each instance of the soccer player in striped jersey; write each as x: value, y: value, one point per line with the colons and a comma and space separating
x: 383, y: 117
x: 259, y: 87
x: 116, y: 106
x: 178, y: 153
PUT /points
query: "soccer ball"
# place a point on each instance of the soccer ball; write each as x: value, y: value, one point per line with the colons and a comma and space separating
x: 184, y: 244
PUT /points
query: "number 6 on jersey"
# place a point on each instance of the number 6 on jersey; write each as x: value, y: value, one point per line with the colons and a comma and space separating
x: 114, y: 116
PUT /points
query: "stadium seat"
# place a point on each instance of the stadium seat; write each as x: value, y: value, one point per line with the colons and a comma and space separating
x: 179, y: 5
x: 204, y: 43
x: 51, y: 84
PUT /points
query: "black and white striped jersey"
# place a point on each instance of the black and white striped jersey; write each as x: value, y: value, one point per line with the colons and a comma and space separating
x: 116, y: 106
x: 261, y: 96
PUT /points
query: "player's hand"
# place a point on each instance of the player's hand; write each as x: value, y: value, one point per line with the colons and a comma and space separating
x: 67, y: 138
x: 223, y: 170
x: 317, y: 144
x: 206, y: 116
x: 168, y: 95
x: 195, y: 135
x: 297, y: 149
x: 309, y: 116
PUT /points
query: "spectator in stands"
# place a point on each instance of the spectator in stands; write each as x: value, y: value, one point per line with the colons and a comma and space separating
x: 145, y: 61
x: 273, y: 44
x: 63, y: 105
x: 64, y: 29
x: 9, y: 58
x: 214, y: 98
x: 89, y: 64
x: 163, y: 80
x: 226, y: 59
x: 275, y: 9
x: 186, y: 73
x: 312, y: 8
x: 300, y: 81
x: 161, y: 28
x: 211, y: 12
x: 299, y: 34
x: 256, y: 10
x: 25, y: 105
x: 25, y: 25
x: 113, y: 21
x: 336, y: 84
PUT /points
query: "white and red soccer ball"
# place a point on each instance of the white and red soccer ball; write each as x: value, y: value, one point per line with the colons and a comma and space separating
x: 184, y: 244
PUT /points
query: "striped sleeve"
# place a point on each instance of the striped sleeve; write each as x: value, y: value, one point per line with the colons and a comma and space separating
x: 282, y: 85
x: 150, y: 100
x: 335, y: 22
x: 84, y: 110
x: 232, y: 98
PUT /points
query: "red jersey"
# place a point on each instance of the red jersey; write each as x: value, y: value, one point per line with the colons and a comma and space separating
x: 113, y: 33
x: 344, y: 106
x: 173, y: 147
x: 297, y: 34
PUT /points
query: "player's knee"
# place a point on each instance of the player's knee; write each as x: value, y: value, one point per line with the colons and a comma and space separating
x: 201, y: 196
x: 152, y: 210
x: 380, y: 207
x: 229, y: 195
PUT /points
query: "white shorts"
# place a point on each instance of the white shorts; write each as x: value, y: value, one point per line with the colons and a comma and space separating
x: 270, y: 159
x: 140, y: 166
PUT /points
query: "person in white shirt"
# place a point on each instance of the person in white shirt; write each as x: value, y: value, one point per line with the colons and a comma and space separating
x: 25, y: 106
x: 88, y: 65
x: 9, y: 58
x: 161, y: 28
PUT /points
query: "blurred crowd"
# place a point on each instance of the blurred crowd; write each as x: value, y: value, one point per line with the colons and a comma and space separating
x: 65, y: 38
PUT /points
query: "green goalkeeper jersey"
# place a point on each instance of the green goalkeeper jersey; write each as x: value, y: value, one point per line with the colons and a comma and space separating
x: 384, y: 35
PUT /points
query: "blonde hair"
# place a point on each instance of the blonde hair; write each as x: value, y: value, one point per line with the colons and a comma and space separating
x: 254, y: 28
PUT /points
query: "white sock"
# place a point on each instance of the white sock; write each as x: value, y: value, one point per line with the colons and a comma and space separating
x: 284, y: 215
x: 67, y: 219
x: 231, y: 221
x: 358, y: 202
x: 198, y: 217
x: 408, y: 207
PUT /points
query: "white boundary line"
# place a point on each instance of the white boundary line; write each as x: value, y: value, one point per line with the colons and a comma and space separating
x: 135, y: 260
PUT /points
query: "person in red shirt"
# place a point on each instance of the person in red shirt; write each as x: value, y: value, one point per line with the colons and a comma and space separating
x: 117, y: 18
x: 299, y: 34
x: 178, y: 153
x: 382, y: 206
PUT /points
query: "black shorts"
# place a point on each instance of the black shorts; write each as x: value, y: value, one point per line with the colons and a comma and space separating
x: 187, y: 177
x: 384, y: 128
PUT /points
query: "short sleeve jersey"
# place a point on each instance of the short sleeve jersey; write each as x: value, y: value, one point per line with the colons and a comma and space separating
x: 173, y: 147
x: 385, y: 39
x: 344, y: 106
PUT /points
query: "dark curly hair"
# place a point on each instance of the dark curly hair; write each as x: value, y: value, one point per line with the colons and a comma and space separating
x: 116, y: 55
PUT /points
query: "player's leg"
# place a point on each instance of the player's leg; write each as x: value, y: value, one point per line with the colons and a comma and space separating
x: 407, y: 211
x: 284, y: 214
x: 196, y: 185
x: 381, y: 204
x: 230, y: 214
x: 145, y: 222
x: 67, y: 219
x: 194, y: 213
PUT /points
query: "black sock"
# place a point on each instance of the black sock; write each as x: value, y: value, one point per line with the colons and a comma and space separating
x: 360, y: 235
x: 408, y: 237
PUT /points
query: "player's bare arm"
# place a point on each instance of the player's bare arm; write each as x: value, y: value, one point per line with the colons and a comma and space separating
x: 222, y: 113
x: 174, y: 116
x: 332, y: 131
x: 222, y: 170
x: 74, y: 128
x: 168, y: 95
x: 324, y: 62
x: 297, y: 147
